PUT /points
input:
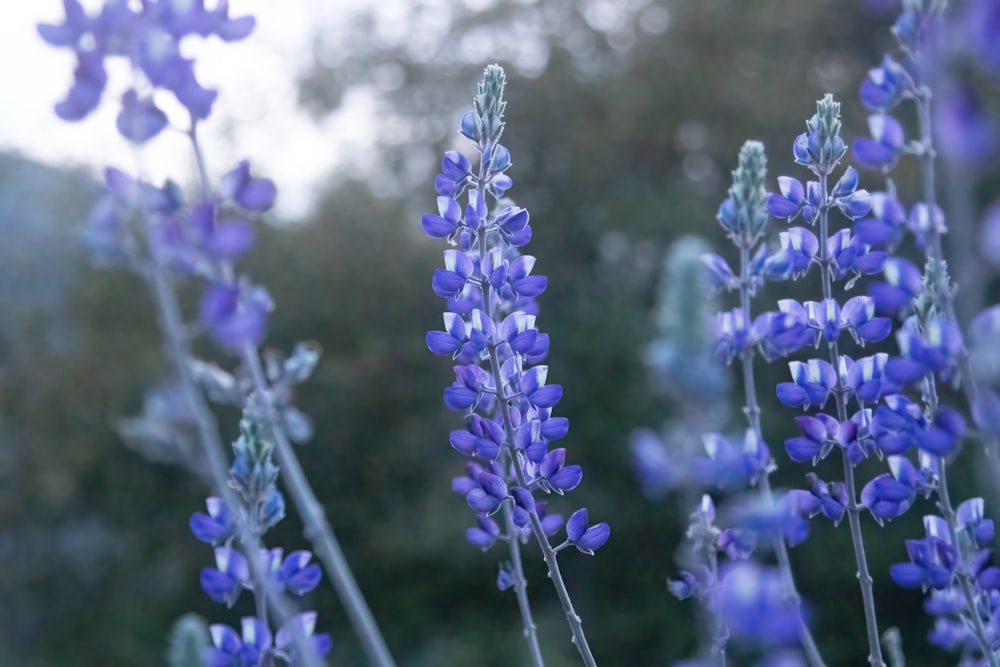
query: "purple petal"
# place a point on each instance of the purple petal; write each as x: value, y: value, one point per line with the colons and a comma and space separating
x: 577, y: 524
x: 593, y: 538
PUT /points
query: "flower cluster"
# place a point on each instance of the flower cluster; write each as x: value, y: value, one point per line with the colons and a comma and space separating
x: 168, y: 237
x: 235, y: 531
x: 732, y: 464
x: 501, y: 385
x: 149, y: 36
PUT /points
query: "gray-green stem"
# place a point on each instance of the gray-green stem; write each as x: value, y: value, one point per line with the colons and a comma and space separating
x: 752, y: 411
x: 521, y: 587
x: 548, y: 553
x: 853, y: 509
x: 943, y: 299
x: 171, y: 321
x: 317, y: 529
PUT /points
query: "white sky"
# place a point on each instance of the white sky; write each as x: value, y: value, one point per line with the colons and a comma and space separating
x: 255, y: 116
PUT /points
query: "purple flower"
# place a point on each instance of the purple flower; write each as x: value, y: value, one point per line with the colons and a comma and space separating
x: 690, y: 584
x: 482, y: 437
x: 554, y: 476
x: 218, y: 241
x: 250, y: 194
x: 235, y: 315
x: 489, y: 495
x: 826, y: 498
x: 299, y: 629
x: 886, y: 224
x: 446, y: 224
x: 297, y: 574
x: 882, y: 151
x: 512, y: 223
x: 215, y: 527
x: 140, y: 119
x: 923, y: 222
x: 846, y: 196
x: 885, y: 86
x: 755, y: 606
x: 655, y: 469
x: 536, y: 429
x: 812, y: 382
x: 890, y: 495
x: 858, y: 317
x: 817, y: 437
x: 485, y: 534
x: 456, y: 174
x: 89, y: 79
x: 732, y: 465
x: 780, y: 334
x: 790, y: 202
x: 936, y: 350
x: 965, y: 132
x: 903, y: 283
x: 534, y: 389
x: 932, y: 560
x: 459, y: 270
x: 586, y: 538
x: 801, y: 246
x: 232, y: 650
x: 228, y: 578
x: 69, y: 32
x: 865, y: 378
x: 719, y: 273
x: 969, y: 516
x: 732, y: 335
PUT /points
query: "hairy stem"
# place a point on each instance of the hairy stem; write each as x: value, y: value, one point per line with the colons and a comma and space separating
x: 719, y: 640
x: 317, y: 528
x: 752, y: 411
x: 548, y: 553
x: 962, y: 574
x: 172, y: 327
x: 521, y: 587
x: 943, y: 300
x: 853, y: 509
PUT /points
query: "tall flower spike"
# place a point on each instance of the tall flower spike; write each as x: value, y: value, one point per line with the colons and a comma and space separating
x: 963, y: 601
x: 505, y: 396
x: 840, y: 257
x: 744, y: 215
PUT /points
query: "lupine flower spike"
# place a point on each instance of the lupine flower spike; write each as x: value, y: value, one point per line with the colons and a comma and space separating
x: 954, y: 560
x: 840, y: 256
x: 501, y: 387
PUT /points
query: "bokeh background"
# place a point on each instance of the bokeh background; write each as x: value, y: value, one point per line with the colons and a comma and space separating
x: 624, y: 120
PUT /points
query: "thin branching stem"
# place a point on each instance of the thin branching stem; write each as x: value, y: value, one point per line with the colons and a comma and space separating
x: 944, y: 301
x: 548, y: 553
x: 521, y: 587
x: 317, y: 529
x: 839, y: 391
x: 752, y: 411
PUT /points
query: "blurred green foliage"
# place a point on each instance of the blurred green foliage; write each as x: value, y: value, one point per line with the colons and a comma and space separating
x: 617, y: 152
